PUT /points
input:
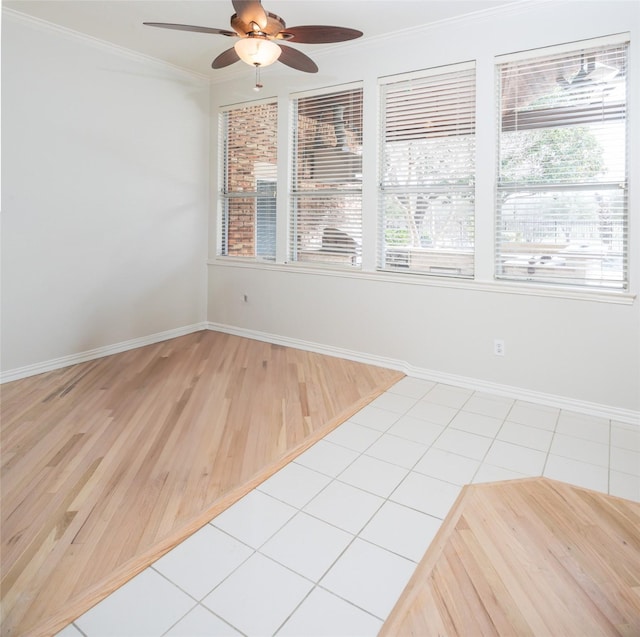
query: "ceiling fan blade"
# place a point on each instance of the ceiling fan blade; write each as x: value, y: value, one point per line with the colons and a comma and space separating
x: 188, y: 27
x: 249, y: 11
x: 317, y: 34
x: 226, y: 58
x: 297, y: 60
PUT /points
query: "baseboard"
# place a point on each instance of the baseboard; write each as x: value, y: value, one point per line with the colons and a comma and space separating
x: 618, y: 414
x: 99, y: 352
x: 585, y: 407
x: 310, y: 346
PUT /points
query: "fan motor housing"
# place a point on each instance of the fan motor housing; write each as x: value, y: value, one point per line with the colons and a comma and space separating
x: 275, y: 24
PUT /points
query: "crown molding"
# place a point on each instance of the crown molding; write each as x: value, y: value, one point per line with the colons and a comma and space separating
x: 517, y: 6
x: 89, y: 40
x: 228, y: 75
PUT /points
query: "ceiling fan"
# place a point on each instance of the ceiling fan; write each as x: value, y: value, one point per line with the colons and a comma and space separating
x: 260, y: 35
x: 589, y: 75
x: 581, y: 77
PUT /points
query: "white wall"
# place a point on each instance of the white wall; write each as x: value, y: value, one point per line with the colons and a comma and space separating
x: 557, y: 345
x: 105, y: 176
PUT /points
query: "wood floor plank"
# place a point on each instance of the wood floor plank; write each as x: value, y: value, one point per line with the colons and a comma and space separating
x: 108, y: 464
x: 527, y: 557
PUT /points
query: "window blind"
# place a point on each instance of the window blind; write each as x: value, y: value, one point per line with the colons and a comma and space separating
x: 248, y: 193
x: 561, y: 209
x: 427, y: 164
x: 326, y: 189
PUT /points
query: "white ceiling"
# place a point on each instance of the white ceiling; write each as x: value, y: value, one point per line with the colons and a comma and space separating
x: 120, y: 21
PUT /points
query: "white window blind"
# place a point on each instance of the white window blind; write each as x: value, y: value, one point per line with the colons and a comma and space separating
x: 248, y: 194
x: 427, y: 163
x: 326, y: 190
x: 561, y: 205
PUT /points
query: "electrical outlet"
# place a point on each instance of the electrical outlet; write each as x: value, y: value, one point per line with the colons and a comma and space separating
x: 498, y: 347
x: 245, y: 298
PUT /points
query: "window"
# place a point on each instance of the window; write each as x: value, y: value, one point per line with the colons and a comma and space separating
x: 427, y: 163
x: 326, y: 192
x: 266, y: 219
x: 562, y: 175
x: 249, y: 164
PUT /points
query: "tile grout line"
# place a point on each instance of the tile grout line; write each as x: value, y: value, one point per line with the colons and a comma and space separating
x: 356, y: 536
x: 317, y: 583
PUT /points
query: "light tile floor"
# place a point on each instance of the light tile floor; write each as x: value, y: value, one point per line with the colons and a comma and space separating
x: 327, y: 544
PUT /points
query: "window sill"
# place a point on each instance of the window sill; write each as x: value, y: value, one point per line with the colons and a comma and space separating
x: 404, y: 278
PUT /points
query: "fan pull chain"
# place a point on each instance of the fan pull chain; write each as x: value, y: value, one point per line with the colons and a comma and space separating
x: 258, y: 85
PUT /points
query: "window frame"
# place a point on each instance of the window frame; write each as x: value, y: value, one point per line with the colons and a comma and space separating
x: 485, y: 219
x: 537, y: 272
x: 452, y: 262
x: 337, y: 247
x: 263, y: 171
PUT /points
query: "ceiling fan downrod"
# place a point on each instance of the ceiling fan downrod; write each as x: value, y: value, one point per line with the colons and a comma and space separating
x: 258, y: 85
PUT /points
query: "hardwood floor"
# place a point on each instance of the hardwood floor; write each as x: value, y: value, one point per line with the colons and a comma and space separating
x: 527, y: 557
x: 108, y: 464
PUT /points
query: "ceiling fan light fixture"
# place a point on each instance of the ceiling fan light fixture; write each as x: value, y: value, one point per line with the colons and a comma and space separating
x: 257, y: 50
x: 257, y: 29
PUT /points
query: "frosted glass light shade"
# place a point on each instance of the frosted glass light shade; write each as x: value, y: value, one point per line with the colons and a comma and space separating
x: 257, y: 51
